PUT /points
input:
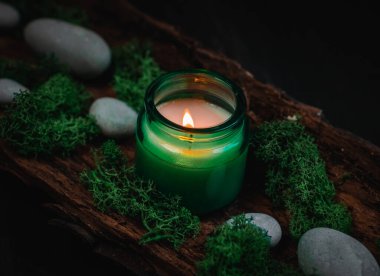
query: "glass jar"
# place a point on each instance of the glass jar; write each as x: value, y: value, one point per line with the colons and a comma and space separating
x: 205, y: 166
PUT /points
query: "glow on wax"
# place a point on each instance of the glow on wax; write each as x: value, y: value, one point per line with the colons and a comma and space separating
x: 194, y: 113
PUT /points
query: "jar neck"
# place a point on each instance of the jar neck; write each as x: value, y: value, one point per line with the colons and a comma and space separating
x: 209, y: 84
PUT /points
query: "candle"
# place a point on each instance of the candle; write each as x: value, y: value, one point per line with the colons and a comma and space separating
x: 198, y: 113
x: 192, y: 138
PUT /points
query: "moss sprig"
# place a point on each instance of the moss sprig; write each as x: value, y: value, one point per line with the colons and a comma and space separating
x: 31, y: 74
x: 297, y: 178
x: 241, y: 248
x: 115, y: 187
x: 52, y: 119
x: 135, y: 69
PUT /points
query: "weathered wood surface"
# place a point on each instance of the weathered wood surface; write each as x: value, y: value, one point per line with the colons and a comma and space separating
x: 117, y: 237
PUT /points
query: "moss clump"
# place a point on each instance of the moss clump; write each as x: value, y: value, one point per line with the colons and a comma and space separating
x: 115, y: 187
x: 28, y: 74
x: 49, y: 120
x: 240, y: 249
x: 48, y: 8
x: 297, y: 178
x: 135, y: 69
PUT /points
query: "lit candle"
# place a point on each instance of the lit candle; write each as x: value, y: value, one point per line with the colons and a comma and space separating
x: 201, y: 113
x: 192, y: 138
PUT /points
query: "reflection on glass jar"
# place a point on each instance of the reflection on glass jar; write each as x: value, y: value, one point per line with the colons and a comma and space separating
x: 192, y: 138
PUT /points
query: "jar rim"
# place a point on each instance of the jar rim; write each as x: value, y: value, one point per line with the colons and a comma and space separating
x: 236, y: 117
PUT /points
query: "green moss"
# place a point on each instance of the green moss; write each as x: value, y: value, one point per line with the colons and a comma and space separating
x: 31, y: 74
x: 240, y: 249
x: 49, y: 8
x: 135, y: 69
x: 49, y: 120
x: 115, y: 187
x: 297, y: 178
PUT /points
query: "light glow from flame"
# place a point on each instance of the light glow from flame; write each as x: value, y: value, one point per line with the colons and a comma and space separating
x: 187, y: 120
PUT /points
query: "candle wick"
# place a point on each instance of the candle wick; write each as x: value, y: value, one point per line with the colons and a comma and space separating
x: 190, y: 141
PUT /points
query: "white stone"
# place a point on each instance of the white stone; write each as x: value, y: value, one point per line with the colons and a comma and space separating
x: 267, y: 223
x: 325, y: 251
x: 8, y: 89
x: 82, y: 50
x: 114, y: 117
x: 9, y: 16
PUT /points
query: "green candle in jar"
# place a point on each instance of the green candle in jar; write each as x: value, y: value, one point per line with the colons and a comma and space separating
x: 192, y: 138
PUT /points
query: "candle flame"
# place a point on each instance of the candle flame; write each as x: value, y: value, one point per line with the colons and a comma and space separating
x: 187, y: 120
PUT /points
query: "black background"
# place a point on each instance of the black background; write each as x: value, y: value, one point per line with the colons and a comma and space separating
x: 324, y: 54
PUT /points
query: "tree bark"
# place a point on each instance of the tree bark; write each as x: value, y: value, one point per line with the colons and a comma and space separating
x: 353, y: 164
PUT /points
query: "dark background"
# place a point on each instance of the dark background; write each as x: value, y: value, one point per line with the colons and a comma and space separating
x: 322, y: 54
